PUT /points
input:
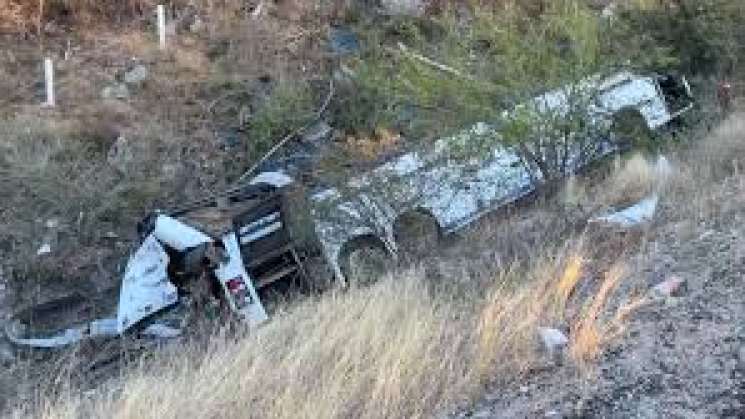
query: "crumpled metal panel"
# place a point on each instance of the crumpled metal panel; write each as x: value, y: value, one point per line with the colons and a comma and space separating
x: 177, y: 234
x: 146, y: 288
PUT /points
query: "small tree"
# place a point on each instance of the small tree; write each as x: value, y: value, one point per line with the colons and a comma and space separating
x: 487, y: 65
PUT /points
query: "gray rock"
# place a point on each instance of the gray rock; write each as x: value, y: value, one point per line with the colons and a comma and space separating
x: 115, y: 91
x: 136, y: 75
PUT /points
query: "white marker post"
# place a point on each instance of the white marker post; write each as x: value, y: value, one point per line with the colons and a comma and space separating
x: 49, y: 77
x: 162, y: 26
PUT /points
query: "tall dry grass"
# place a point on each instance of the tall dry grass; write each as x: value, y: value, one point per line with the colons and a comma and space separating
x: 401, y: 348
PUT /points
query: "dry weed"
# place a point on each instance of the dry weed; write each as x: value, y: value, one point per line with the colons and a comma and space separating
x: 396, y: 349
x: 592, y: 330
x: 637, y: 178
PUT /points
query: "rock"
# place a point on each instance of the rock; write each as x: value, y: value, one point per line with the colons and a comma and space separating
x: 671, y: 287
x: 115, y: 91
x: 553, y: 340
x: 136, y: 75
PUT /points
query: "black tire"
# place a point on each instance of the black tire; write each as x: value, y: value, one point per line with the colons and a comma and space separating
x: 417, y: 235
x: 630, y: 130
x: 364, y: 261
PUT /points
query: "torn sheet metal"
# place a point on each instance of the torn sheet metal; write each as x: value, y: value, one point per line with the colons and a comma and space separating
x: 161, y: 331
x: 237, y: 285
x: 146, y: 288
x: 637, y: 214
x: 101, y: 328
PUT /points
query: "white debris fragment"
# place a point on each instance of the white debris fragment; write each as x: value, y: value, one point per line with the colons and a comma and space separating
x: 138, y: 74
x: 63, y: 338
x: 671, y: 287
x: 177, y: 234
x: 161, y: 331
x: 553, y: 340
x: 663, y: 170
x: 103, y: 328
x: 637, y: 214
x: 256, y: 13
x: 115, y: 91
x: 44, y: 249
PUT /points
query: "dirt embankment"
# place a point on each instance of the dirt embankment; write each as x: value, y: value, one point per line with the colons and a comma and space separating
x: 679, y: 357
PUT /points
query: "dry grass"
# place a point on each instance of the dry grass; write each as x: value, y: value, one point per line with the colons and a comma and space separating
x: 400, y: 348
x: 708, y: 183
x: 634, y: 179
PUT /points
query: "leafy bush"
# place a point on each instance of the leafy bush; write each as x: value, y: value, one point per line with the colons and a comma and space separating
x: 290, y: 106
x: 702, y: 36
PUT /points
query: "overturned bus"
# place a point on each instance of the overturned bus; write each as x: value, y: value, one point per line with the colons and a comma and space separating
x: 246, y: 242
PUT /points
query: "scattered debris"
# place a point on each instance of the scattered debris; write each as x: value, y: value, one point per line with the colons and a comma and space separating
x: 554, y: 341
x: 115, y: 91
x: 640, y: 213
x: 671, y: 287
x: 44, y: 249
x: 18, y: 334
x: 136, y: 75
x: 256, y: 13
x: 148, y: 285
x: 343, y: 41
x: 161, y: 331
